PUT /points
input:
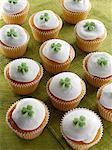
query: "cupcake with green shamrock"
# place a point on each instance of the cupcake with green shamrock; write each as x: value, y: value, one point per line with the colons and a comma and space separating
x: 75, y: 10
x: 81, y: 128
x: 27, y: 118
x: 45, y: 25
x: 15, y: 11
x: 90, y: 34
x: 13, y: 40
x: 104, y: 101
x: 56, y: 55
x: 66, y: 90
x: 23, y: 75
x: 98, y: 68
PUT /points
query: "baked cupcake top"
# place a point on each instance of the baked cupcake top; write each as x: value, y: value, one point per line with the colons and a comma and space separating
x: 81, y: 124
x: 77, y: 5
x: 23, y: 70
x: 29, y: 114
x: 57, y: 50
x: 13, y: 7
x: 66, y: 86
x: 13, y: 35
x: 90, y: 29
x: 99, y: 64
x: 106, y: 96
x: 46, y: 20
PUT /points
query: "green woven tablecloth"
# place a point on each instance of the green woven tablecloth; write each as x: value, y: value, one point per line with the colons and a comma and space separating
x: 51, y: 138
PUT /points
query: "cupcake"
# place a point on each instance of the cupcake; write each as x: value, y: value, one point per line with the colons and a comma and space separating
x: 98, y: 68
x: 15, y: 11
x: 81, y: 128
x: 90, y: 33
x: 13, y: 40
x: 66, y: 90
x: 75, y: 10
x: 104, y: 101
x: 27, y: 118
x: 45, y: 25
x: 56, y: 55
x: 23, y: 75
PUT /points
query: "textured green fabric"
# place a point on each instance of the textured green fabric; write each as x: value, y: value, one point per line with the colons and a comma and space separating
x: 51, y: 138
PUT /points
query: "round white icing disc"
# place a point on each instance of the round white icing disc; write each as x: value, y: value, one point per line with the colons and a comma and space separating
x: 14, y: 8
x: 30, y: 75
x: 25, y: 122
x: 61, y: 56
x: 13, y: 41
x: 86, y: 133
x: 52, y: 22
x: 83, y: 33
x: 66, y: 94
x: 106, y: 96
x: 82, y: 5
x: 97, y: 70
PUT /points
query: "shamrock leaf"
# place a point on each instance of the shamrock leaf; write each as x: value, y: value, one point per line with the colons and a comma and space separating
x: 23, y: 68
x: 56, y: 47
x: 65, y: 83
x: 90, y: 26
x: 27, y: 110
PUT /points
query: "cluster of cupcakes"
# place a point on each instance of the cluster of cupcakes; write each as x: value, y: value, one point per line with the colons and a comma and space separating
x: 80, y: 127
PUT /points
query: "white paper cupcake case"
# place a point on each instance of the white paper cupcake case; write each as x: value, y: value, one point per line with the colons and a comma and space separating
x: 75, y: 145
x: 22, y: 86
x: 95, y: 81
x: 32, y: 134
x: 105, y: 113
x: 15, y: 52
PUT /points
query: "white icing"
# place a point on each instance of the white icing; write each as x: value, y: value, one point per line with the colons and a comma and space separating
x: 66, y: 94
x: 83, y: 5
x: 52, y: 23
x: 60, y: 56
x: 97, y: 70
x: 90, y: 35
x: 29, y: 123
x: 15, y: 41
x: 86, y: 133
x: 33, y: 69
x: 12, y: 9
x: 106, y: 96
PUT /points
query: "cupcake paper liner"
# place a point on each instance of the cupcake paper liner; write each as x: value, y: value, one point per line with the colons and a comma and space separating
x: 54, y: 67
x: 14, y: 52
x: 43, y: 35
x: 66, y: 105
x: 84, y: 146
x: 89, y: 45
x: 104, y: 112
x: 93, y: 80
x: 31, y: 134
x: 73, y: 17
x: 17, y: 18
x: 23, y: 88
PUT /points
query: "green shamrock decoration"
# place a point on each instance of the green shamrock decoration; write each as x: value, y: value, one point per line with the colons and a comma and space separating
x: 11, y: 33
x: 56, y: 47
x: 77, y: 1
x: 90, y: 26
x: 79, y: 122
x: 27, y: 111
x: 13, y: 1
x: 23, y: 68
x: 45, y: 17
x: 65, y: 83
x: 102, y: 62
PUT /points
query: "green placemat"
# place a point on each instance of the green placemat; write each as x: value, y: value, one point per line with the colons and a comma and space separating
x: 51, y: 138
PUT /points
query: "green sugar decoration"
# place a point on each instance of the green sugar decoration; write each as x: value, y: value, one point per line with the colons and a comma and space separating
x: 102, y: 61
x: 90, y: 26
x: 79, y: 122
x: 45, y: 17
x: 27, y: 111
x: 56, y: 47
x: 23, y: 68
x: 65, y: 83
x: 13, y: 1
x: 12, y: 33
